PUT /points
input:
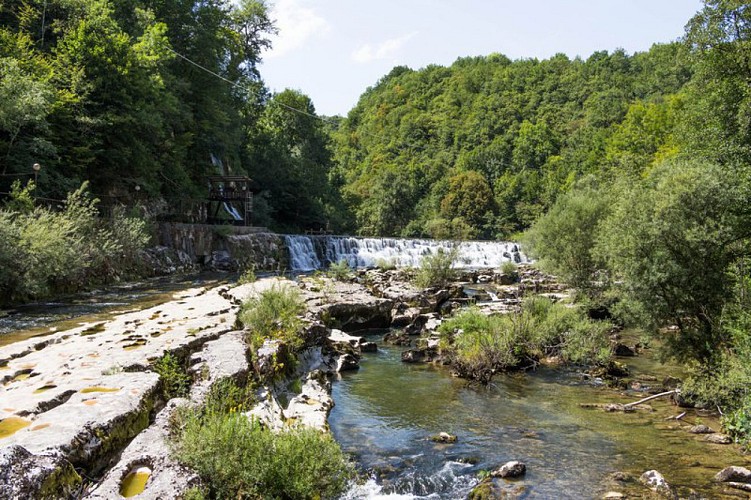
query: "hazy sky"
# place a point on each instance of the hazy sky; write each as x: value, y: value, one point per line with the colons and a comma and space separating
x: 332, y: 50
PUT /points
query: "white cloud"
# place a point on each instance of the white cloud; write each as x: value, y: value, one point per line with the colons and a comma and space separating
x: 384, y: 50
x: 296, y: 24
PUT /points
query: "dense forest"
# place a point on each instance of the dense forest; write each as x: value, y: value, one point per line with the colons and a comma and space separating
x: 145, y: 99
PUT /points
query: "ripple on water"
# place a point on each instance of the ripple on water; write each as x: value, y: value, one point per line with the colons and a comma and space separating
x: 385, y: 412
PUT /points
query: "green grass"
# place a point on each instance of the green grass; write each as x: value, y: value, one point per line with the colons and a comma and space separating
x: 340, y: 271
x: 248, y: 276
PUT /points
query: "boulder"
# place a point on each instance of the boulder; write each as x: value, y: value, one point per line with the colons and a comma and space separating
x: 347, y: 362
x: 734, y: 474
x: 415, y: 328
x: 25, y: 475
x: 510, y: 469
x: 656, y: 482
x: 402, y: 315
x: 343, y: 343
x: 369, y: 347
x: 151, y: 448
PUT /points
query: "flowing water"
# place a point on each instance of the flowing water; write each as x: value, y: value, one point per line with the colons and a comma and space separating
x: 385, y: 412
x: 308, y: 253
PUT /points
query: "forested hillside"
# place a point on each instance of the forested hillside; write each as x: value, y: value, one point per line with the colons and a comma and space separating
x: 483, y: 147
x: 154, y: 94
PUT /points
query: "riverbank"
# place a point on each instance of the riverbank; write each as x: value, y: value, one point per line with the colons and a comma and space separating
x: 89, y: 402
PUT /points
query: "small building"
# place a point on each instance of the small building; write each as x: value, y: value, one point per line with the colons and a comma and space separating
x: 230, y: 200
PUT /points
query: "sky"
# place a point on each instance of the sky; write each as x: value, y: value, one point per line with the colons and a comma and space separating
x: 332, y: 50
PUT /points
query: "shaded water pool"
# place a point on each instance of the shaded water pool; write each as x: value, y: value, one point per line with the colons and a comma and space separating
x: 385, y: 412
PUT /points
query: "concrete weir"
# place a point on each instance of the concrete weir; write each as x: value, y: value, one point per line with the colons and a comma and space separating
x: 79, y: 397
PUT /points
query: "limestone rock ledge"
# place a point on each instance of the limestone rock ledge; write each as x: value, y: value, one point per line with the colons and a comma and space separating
x: 75, y: 398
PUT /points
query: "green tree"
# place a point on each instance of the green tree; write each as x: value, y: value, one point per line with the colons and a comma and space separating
x: 564, y: 238
x: 672, y: 240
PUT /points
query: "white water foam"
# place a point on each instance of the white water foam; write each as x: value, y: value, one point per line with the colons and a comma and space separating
x: 308, y: 253
x: 449, y: 480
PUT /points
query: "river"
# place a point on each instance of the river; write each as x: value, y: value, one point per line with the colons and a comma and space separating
x: 385, y: 412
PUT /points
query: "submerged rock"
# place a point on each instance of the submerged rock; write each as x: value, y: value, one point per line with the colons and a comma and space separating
x: 718, y: 438
x: 485, y: 490
x: 733, y: 473
x: 423, y: 355
x: 443, y: 437
x: 397, y: 337
x: 510, y: 469
x: 700, y: 429
x: 623, y: 350
x: 656, y: 482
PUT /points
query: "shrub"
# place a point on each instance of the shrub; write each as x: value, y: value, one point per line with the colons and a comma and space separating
x: 175, y: 382
x: 437, y: 269
x: 738, y: 423
x: 238, y: 458
x: 340, y: 271
x: 248, y: 276
x: 509, y: 268
x: 480, y: 346
x: 274, y: 314
x: 45, y: 252
x: 226, y: 397
x: 483, y: 344
x: 386, y: 264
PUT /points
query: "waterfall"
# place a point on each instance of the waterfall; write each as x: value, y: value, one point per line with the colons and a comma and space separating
x: 302, y: 254
x: 308, y: 253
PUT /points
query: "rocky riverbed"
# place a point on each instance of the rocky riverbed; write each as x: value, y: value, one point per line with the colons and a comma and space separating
x: 82, y: 411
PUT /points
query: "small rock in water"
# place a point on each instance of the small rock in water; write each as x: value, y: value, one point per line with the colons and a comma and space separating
x: 623, y: 350
x: 655, y: 482
x: 613, y: 494
x: 369, y: 347
x: 443, y: 437
x: 701, y: 429
x: 733, y: 474
x: 620, y: 476
x: 510, y: 469
x: 718, y: 439
x: 347, y: 362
